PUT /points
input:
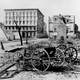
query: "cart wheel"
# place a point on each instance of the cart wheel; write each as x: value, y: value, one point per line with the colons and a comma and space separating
x: 40, y: 60
x: 70, y: 54
x: 59, y: 58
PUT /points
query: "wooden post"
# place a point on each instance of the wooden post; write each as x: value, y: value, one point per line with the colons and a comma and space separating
x: 2, y: 47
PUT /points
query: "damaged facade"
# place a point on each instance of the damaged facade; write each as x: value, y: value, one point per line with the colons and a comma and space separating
x: 61, y: 25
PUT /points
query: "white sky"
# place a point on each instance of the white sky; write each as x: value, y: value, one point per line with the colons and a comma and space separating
x: 47, y: 7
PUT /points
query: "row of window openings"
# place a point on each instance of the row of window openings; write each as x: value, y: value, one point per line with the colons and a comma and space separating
x: 21, y: 17
x: 31, y: 13
x: 31, y: 34
x: 27, y: 28
x: 21, y: 22
x: 28, y: 34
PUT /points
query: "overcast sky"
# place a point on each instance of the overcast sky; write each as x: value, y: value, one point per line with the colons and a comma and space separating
x: 47, y: 7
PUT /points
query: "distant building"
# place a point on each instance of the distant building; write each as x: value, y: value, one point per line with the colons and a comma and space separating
x: 70, y: 23
x: 62, y: 25
x: 31, y: 21
x: 57, y: 27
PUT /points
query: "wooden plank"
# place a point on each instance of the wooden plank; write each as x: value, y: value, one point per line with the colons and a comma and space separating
x: 5, y: 67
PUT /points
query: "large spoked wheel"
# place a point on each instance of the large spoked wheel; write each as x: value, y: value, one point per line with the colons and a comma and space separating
x: 40, y: 60
x: 59, y: 58
x: 70, y: 54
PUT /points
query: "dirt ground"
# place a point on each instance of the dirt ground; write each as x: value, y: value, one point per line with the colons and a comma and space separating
x: 48, y: 76
x: 53, y: 74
